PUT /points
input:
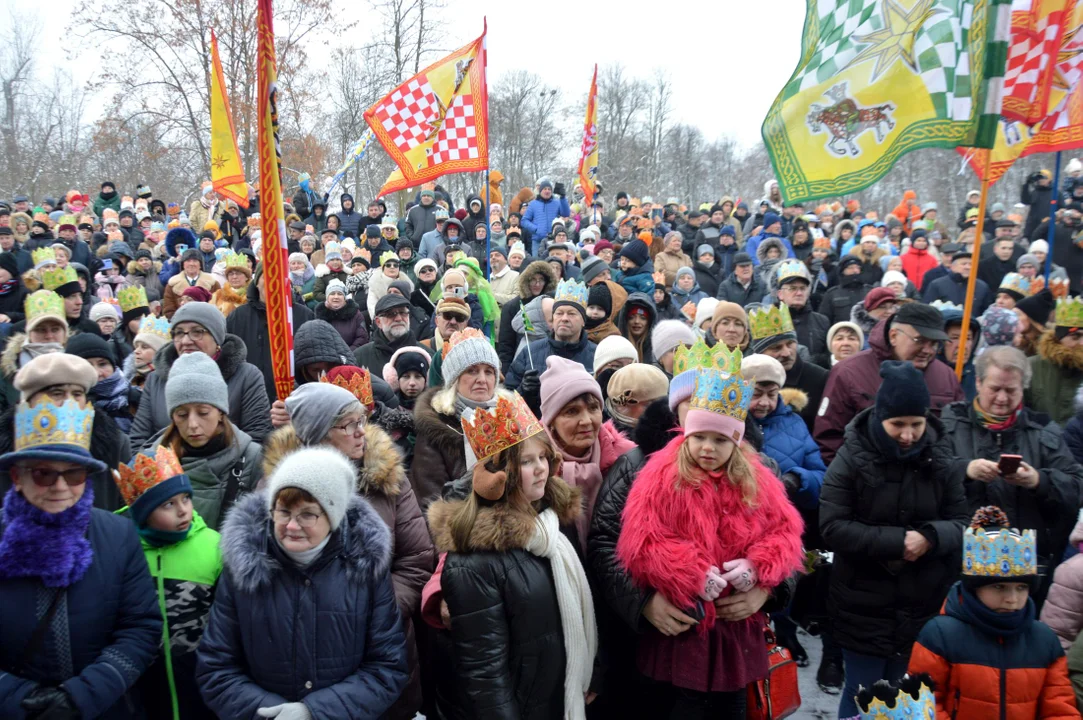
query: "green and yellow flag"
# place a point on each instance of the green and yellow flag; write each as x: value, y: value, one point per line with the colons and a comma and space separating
x: 879, y: 78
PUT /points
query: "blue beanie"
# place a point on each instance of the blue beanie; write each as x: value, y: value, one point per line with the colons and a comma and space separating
x: 902, y: 392
x: 637, y: 251
x: 728, y: 230
x: 770, y: 219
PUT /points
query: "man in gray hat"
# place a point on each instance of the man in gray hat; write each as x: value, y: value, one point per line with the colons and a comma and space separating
x: 391, y: 331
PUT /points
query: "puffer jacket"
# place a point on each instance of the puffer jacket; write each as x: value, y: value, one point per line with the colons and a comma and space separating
x: 1063, y: 607
x: 877, y: 601
x: 349, y: 223
x: 539, y: 216
x: 981, y: 672
x: 111, y: 620
x: 639, y: 279
x: 787, y: 441
x: 508, y: 647
x: 1058, y: 375
x: 916, y: 263
x: 508, y: 339
x: 839, y: 300
x: 348, y: 321
x: 249, y: 408
x: 328, y: 635
x: 1050, y: 509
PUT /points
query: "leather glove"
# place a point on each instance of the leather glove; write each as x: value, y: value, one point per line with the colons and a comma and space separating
x: 558, y: 189
x: 289, y: 711
x: 713, y: 585
x: 740, y: 573
x: 50, y: 703
x: 791, y: 481
x: 530, y: 389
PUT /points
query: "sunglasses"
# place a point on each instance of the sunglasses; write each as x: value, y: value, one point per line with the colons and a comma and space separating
x: 426, y: 270
x: 452, y: 316
x: 45, y: 478
x: 391, y: 264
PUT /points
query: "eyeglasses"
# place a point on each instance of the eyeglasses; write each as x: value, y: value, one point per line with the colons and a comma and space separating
x: 305, y: 519
x: 45, y: 478
x: 396, y: 314
x: 196, y: 334
x: 919, y: 340
x: 426, y: 270
x: 391, y: 264
x: 350, y: 428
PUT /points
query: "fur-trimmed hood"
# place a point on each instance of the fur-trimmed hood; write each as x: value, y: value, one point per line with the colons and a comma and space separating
x: 795, y: 398
x: 134, y: 269
x: 231, y: 358
x: 860, y: 316
x: 9, y: 360
x: 498, y: 527
x: 364, y: 547
x: 771, y: 241
x: 538, y: 266
x: 1061, y: 356
x: 837, y: 232
x: 381, y: 468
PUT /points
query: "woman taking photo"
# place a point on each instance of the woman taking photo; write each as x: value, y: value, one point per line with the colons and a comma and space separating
x: 893, y: 509
x: 220, y: 460
x: 325, y: 414
x: 521, y: 614
x: 304, y: 623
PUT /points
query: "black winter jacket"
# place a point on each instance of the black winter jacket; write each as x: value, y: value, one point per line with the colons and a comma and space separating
x: 811, y: 328
x: 732, y: 291
x: 877, y: 601
x: 838, y: 300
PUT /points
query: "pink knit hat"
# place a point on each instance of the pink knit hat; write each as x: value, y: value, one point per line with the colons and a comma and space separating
x: 562, y: 382
x: 706, y: 421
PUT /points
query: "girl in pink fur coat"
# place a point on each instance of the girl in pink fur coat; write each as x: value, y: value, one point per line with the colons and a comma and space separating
x: 705, y: 519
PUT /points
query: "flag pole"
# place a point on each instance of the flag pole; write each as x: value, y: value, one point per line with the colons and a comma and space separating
x: 1053, y: 197
x: 979, y: 237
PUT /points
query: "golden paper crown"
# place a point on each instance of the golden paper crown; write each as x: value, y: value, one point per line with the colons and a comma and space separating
x: 66, y: 220
x: 146, y: 472
x: 236, y: 260
x: 49, y: 424
x: 458, y: 336
x: 722, y: 393
x: 356, y: 380
x: 132, y: 297
x: 53, y: 278
x: 914, y: 700
x: 42, y: 217
x: 110, y: 215
x: 1016, y: 283
x: 44, y: 303
x: 701, y: 357
x: 43, y: 255
x: 388, y: 256
x: 768, y: 321
x: 510, y: 423
x: 1000, y: 553
x: 1069, y: 312
x: 572, y: 292
x: 822, y: 242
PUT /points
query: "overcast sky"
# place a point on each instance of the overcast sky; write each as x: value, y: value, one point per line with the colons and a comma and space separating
x: 726, y: 60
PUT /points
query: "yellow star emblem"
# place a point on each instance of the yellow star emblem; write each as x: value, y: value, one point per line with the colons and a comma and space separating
x: 895, y: 40
x: 219, y: 162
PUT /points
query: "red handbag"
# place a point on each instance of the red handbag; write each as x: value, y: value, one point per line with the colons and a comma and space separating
x: 777, y: 695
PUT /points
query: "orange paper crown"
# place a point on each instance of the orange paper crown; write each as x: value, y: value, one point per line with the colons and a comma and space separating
x: 146, y: 472
x: 510, y: 423
x: 659, y: 277
x: 356, y: 380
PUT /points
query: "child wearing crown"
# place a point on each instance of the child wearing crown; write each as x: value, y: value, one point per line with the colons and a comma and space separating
x: 183, y: 558
x: 706, y: 519
x: 521, y: 612
x: 987, y: 653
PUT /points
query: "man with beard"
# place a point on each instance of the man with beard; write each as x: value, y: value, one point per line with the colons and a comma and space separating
x: 772, y: 333
x: 913, y: 334
x: 567, y: 339
x: 391, y: 331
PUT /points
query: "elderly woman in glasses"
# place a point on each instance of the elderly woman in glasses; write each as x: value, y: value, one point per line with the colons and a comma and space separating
x: 324, y: 414
x: 305, y: 623
x: 81, y: 620
x: 201, y: 327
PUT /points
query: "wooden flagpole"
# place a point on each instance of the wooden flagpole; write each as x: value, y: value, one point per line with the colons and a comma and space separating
x: 979, y: 238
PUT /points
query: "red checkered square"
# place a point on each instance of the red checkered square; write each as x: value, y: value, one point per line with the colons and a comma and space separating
x: 457, y: 138
x: 407, y: 112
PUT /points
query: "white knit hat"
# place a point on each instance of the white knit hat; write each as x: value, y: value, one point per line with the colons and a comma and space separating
x: 322, y: 472
x: 467, y: 352
x: 103, y: 310
x: 892, y: 276
x: 668, y: 334
x: 336, y: 286
x: 613, y: 348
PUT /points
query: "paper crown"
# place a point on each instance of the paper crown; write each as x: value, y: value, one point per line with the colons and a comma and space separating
x: 41, y: 303
x: 356, y: 380
x: 388, y: 256
x: 510, y: 423
x: 53, y: 278
x: 943, y: 305
x: 1069, y: 312
x: 132, y: 297
x: 66, y: 220
x: 458, y: 337
x: 573, y: 292
x: 911, y: 699
x: 66, y: 426
x: 236, y: 260
x: 790, y: 269
x: 1003, y: 552
x: 768, y: 321
x: 1059, y: 287
x: 146, y: 472
x: 822, y: 242
x: 1016, y: 283
x: 43, y: 256
x: 109, y: 215
x: 723, y: 393
x: 151, y: 325
x: 701, y: 357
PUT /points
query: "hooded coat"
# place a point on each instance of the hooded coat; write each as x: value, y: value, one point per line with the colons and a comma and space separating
x: 348, y: 321
x: 328, y: 635
x: 178, y: 284
x: 377, y: 352
x: 420, y: 219
x: 507, y: 338
x: 147, y: 279
x: 383, y: 483
x: 877, y: 601
x: 349, y: 221
x: 473, y: 218
x: 852, y: 385
x: 496, y: 197
x: 249, y: 409
x: 1057, y: 375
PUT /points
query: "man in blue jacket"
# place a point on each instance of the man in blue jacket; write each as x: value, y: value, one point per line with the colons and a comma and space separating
x: 542, y: 211
x: 567, y: 338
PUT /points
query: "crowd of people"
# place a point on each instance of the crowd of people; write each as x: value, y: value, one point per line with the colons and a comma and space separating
x: 542, y: 459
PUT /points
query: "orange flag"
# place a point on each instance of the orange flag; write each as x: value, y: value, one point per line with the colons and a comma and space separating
x: 227, y: 173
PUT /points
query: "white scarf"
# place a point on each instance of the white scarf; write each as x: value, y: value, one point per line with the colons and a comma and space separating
x: 576, y: 610
x: 304, y: 558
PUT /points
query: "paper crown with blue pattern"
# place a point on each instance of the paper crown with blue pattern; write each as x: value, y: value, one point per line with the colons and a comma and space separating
x: 719, y: 404
x: 911, y: 699
x: 1016, y: 284
x: 157, y: 326
x: 1000, y: 551
x: 570, y: 291
x: 791, y: 270
x: 53, y: 432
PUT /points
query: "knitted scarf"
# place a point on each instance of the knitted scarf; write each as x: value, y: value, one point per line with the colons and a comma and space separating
x: 31, y: 350
x: 996, y: 423
x: 8, y: 287
x: 111, y: 397
x: 576, y: 610
x: 50, y: 546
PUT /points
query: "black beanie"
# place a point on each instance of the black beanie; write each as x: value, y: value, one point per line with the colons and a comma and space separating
x: 8, y: 262
x: 599, y: 295
x: 404, y: 243
x: 637, y: 251
x: 902, y: 392
x: 90, y: 345
x: 412, y: 361
x: 1038, y: 307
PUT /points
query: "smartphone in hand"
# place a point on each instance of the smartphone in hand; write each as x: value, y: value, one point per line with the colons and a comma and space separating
x: 1009, y: 464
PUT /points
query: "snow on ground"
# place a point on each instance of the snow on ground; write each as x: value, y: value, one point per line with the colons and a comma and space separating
x: 815, y: 704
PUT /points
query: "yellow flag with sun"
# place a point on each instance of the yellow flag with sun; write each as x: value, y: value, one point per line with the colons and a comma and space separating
x: 227, y: 173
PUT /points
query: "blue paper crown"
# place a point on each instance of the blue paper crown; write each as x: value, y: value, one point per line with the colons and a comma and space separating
x: 154, y: 326
x: 790, y: 269
x: 53, y: 432
x: 907, y: 707
x: 723, y: 393
x: 1016, y: 283
x: 1000, y: 553
x: 572, y: 291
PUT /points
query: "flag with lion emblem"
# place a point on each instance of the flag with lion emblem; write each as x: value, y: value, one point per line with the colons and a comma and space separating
x: 879, y: 78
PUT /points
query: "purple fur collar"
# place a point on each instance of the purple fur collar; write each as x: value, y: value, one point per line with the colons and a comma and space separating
x: 52, y: 547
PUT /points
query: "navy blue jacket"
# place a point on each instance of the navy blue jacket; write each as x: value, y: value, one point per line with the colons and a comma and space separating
x: 329, y: 635
x: 114, y: 628
x: 582, y: 351
x: 953, y: 288
x: 787, y: 441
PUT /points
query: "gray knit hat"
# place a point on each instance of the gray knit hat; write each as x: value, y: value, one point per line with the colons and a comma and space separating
x: 204, y: 314
x: 314, y: 406
x: 322, y: 472
x: 195, y: 378
x: 593, y: 266
x: 335, y: 286
x: 469, y: 351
